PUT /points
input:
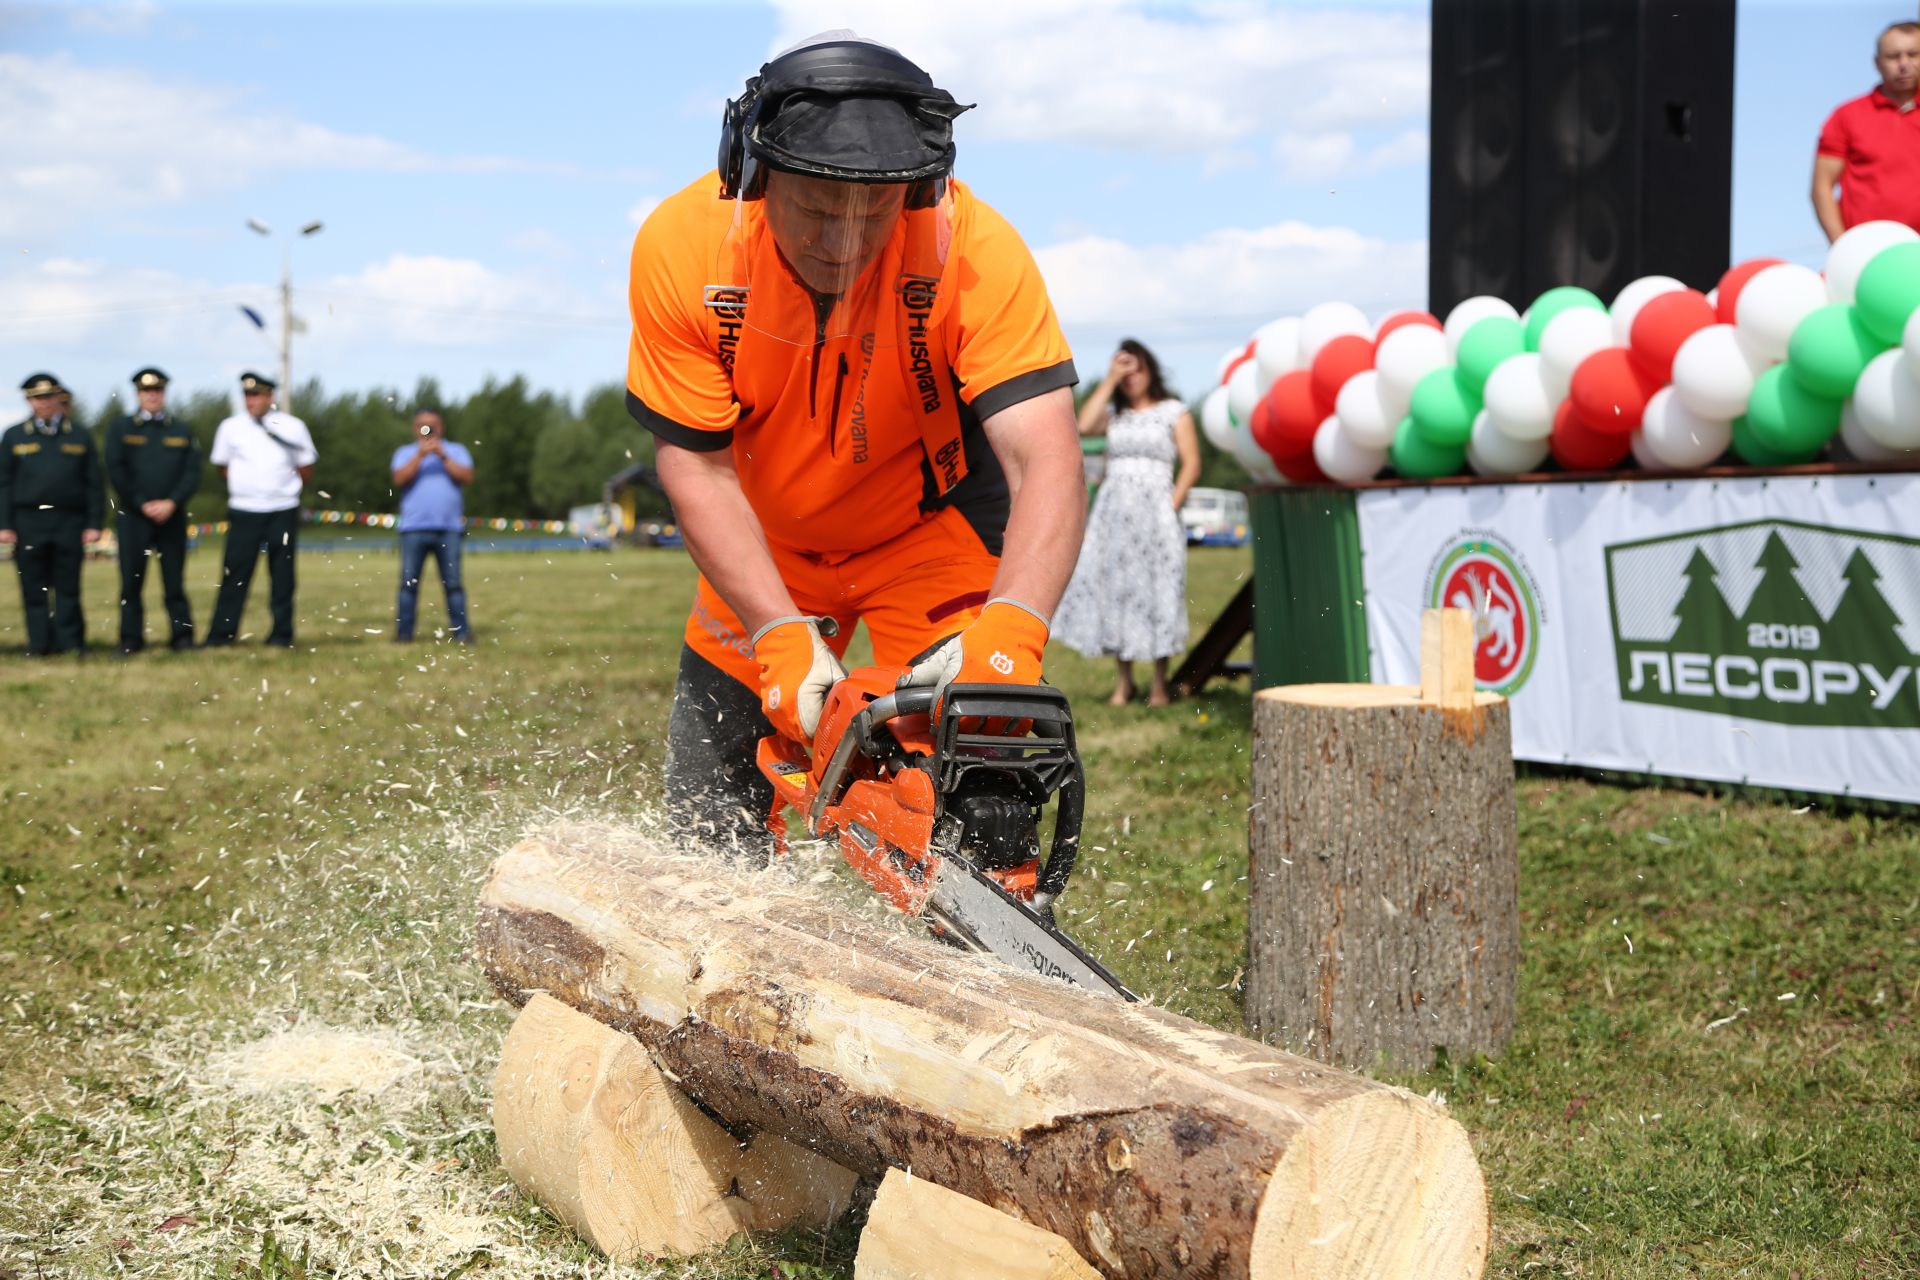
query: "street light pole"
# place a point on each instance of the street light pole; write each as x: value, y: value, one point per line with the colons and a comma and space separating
x: 286, y: 303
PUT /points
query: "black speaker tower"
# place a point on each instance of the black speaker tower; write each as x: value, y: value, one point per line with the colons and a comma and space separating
x: 1584, y: 142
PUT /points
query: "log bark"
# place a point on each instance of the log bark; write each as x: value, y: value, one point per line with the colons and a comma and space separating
x: 588, y: 1126
x: 1155, y: 1146
x: 918, y: 1231
x: 1384, y: 875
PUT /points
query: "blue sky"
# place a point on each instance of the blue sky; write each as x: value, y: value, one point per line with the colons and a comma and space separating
x: 1183, y: 173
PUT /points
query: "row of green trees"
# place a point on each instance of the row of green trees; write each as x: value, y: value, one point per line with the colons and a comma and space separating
x: 535, y: 455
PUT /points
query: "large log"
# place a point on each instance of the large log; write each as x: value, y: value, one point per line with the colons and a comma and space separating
x: 1155, y: 1146
x: 1383, y: 917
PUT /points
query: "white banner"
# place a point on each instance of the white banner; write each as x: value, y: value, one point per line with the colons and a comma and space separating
x: 1762, y: 630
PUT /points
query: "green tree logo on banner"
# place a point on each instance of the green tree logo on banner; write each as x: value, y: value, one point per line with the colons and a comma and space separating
x: 1679, y: 640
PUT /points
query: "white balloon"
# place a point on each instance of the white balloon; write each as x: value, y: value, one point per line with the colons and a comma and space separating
x: 1569, y: 338
x: 1471, y: 311
x: 1492, y: 452
x: 1633, y: 296
x: 1856, y: 247
x: 1324, y: 323
x: 1341, y: 458
x: 1644, y: 455
x: 1405, y: 356
x: 1517, y: 399
x: 1215, y: 421
x: 1276, y: 350
x: 1774, y: 303
x: 1677, y: 437
x: 1242, y: 394
x: 1910, y: 339
x: 1714, y: 371
x: 1887, y: 400
x: 1362, y: 411
x: 1713, y: 299
x: 1862, y: 447
x: 1226, y: 362
x: 1253, y: 459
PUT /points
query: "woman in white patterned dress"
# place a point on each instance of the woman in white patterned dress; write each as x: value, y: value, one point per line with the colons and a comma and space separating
x: 1128, y: 596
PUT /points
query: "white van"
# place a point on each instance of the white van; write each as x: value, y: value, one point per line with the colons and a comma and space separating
x: 1215, y: 517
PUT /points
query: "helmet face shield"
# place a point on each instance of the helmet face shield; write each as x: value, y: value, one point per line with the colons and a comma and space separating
x: 830, y: 232
x: 820, y: 257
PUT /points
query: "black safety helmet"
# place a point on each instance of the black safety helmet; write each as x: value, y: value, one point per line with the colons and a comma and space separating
x: 842, y: 108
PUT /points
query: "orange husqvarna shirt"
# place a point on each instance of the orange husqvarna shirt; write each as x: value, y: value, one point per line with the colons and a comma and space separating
x: 846, y: 442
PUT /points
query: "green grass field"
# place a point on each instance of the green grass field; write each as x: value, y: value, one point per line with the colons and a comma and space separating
x: 217, y: 869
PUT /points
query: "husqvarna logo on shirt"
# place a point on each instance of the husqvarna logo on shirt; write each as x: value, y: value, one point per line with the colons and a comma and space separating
x: 918, y: 294
x: 728, y: 302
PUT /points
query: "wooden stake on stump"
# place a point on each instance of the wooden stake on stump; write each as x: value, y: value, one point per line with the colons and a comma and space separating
x: 1384, y: 918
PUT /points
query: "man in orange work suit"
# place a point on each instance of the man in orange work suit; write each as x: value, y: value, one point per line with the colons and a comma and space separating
x: 864, y: 411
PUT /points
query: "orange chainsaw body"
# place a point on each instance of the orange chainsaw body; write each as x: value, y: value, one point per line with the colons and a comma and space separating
x: 883, y: 817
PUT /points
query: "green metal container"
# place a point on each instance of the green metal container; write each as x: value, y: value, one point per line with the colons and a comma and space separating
x: 1309, y: 613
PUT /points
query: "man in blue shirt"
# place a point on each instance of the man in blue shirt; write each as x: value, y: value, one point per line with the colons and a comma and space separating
x: 429, y: 473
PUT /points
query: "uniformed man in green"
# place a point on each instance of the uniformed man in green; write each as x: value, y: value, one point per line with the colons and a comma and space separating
x: 154, y: 465
x: 51, y: 504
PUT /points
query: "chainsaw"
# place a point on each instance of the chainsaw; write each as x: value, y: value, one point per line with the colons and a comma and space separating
x: 943, y: 819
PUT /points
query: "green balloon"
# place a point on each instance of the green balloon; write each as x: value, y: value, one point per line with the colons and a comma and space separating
x: 1552, y: 303
x: 1786, y: 418
x: 1829, y: 349
x: 1485, y: 345
x: 1414, y: 456
x: 1888, y: 292
x: 1442, y: 410
x: 1755, y: 454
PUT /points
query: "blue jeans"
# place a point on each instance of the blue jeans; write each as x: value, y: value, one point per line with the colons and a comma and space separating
x: 444, y: 546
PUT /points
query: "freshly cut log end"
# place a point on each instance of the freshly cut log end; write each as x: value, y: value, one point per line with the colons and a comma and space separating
x: 919, y: 1231
x: 589, y: 1127
x: 1154, y: 1146
x: 1372, y: 1189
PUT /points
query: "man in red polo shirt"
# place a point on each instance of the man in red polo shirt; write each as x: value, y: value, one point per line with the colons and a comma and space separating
x: 1871, y: 145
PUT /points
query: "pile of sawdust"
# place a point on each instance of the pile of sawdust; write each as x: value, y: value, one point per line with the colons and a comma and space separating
x: 317, y: 1059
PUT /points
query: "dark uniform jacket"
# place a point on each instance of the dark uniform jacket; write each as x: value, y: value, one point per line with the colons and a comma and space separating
x: 60, y: 472
x: 151, y: 460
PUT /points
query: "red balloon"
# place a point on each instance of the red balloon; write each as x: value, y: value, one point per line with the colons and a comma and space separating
x: 1662, y: 325
x: 1399, y: 320
x: 1302, y: 469
x: 1260, y: 423
x: 1734, y: 281
x: 1339, y: 360
x: 1293, y: 415
x: 1610, y: 392
x: 1578, y: 447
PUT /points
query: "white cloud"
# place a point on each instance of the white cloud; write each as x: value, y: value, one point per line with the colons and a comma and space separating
x: 1329, y: 156
x: 120, y: 138
x: 1228, y: 281
x: 133, y: 18
x: 642, y: 208
x: 1141, y: 77
x: 431, y: 301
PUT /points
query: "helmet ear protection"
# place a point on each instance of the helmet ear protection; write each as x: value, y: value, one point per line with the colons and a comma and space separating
x: 836, y: 69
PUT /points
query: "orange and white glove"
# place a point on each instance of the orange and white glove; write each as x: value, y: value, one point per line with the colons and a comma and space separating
x: 796, y: 671
x: 1003, y: 646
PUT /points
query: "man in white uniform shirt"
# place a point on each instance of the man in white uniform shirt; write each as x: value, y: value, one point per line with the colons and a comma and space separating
x: 265, y: 456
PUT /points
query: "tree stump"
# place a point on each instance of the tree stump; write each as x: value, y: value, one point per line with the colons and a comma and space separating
x: 1384, y: 922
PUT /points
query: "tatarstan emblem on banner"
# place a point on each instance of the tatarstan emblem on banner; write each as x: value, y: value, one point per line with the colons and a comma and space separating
x: 1775, y: 620
x: 1480, y: 572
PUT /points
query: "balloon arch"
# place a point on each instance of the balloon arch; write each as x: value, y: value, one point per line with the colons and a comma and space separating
x: 1776, y: 364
